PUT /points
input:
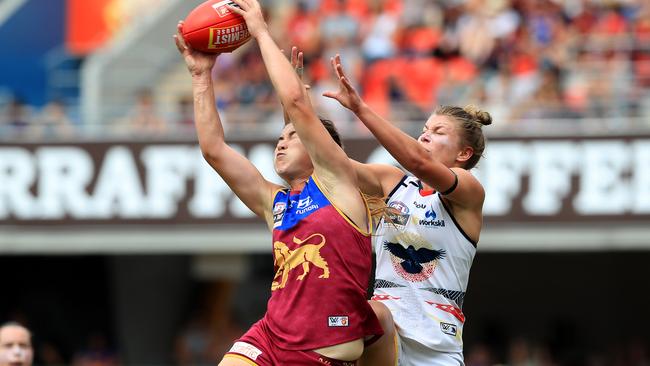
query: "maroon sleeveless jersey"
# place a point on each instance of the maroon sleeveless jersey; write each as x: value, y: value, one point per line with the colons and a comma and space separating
x: 322, y: 266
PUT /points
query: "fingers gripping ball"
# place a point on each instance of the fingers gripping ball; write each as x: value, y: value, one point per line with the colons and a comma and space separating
x: 211, y: 27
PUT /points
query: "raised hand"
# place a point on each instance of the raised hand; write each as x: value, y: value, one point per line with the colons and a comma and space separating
x: 297, y: 61
x: 198, y: 63
x: 252, y: 13
x: 346, y: 95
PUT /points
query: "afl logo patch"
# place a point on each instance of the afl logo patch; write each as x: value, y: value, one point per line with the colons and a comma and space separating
x: 400, y: 207
x: 278, y: 213
x: 398, y: 213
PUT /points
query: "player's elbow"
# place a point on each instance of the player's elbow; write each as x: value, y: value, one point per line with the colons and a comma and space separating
x: 295, y: 99
x: 211, y: 153
x: 215, y: 161
x: 298, y: 110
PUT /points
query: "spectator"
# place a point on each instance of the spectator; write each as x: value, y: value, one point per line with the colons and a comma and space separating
x: 522, y: 353
x: 195, y: 345
x: 184, y: 119
x: 474, y: 31
x: 339, y: 25
x: 479, y: 355
x: 15, y: 345
x: 546, y: 102
x: 303, y: 29
x: 398, y: 53
x: 379, y: 42
x: 50, y: 354
x: 144, y: 118
x: 97, y: 353
x: 16, y: 117
x: 53, y: 121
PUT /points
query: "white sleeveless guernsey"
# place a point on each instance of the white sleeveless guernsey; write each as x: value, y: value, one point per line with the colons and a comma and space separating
x: 423, y: 263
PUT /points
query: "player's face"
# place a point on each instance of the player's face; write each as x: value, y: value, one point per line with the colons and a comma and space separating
x: 15, y: 347
x: 441, y: 139
x: 291, y: 157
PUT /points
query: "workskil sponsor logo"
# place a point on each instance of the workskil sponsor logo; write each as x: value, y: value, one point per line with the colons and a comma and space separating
x: 430, y: 220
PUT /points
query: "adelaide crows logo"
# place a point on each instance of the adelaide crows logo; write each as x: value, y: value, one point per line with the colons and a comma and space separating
x: 414, y: 261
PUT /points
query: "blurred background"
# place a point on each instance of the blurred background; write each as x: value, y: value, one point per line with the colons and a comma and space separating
x: 119, y: 245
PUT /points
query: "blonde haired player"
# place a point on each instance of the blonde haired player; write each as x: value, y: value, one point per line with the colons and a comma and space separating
x: 425, y: 250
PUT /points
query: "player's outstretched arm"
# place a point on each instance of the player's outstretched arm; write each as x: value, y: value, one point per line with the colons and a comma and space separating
x: 297, y: 62
x: 373, y: 179
x: 237, y: 171
x: 404, y: 148
x: 331, y: 164
x: 329, y: 160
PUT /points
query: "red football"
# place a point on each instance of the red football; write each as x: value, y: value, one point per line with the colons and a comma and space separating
x: 211, y: 27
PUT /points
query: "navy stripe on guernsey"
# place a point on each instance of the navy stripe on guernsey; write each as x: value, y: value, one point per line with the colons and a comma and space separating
x: 400, y: 184
x: 453, y: 218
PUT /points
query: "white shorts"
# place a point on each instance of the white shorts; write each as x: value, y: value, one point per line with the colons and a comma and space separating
x: 412, y: 353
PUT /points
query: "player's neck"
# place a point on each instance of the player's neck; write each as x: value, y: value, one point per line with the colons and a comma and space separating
x: 297, y: 184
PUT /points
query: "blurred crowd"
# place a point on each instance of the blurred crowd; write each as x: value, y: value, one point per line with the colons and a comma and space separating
x: 518, y: 59
x: 197, y: 344
x: 201, y: 341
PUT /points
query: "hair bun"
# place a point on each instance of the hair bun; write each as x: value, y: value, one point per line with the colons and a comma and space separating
x: 479, y: 115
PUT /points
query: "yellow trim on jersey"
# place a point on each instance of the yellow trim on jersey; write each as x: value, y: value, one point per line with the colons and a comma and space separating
x: 365, y: 203
x: 396, y: 345
x: 275, y: 192
x: 243, y: 358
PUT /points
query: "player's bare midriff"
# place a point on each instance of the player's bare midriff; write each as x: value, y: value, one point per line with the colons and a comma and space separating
x: 348, y: 351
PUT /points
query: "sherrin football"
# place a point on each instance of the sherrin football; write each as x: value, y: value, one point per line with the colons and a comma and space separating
x: 211, y: 27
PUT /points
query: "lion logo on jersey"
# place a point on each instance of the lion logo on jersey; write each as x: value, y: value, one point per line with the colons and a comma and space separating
x: 287, y: 259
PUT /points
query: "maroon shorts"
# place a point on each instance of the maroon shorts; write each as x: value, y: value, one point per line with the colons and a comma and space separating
x: 256, y: 347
